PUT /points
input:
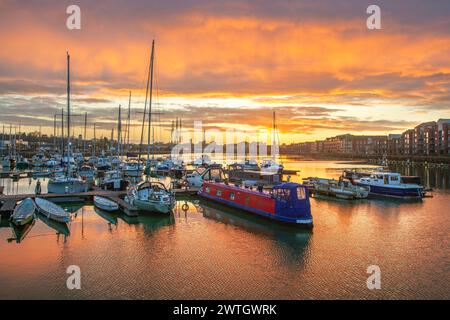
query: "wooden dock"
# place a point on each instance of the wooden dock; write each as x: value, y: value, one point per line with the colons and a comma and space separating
x: 8, y: 202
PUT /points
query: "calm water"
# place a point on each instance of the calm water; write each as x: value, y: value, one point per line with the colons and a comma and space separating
x: 213, y: 252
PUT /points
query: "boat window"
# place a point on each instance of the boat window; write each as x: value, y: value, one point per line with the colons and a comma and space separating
x: 394, y: 178
x: 301, y: 194
x: 207, y: 190
x: 282, y: 194
x: 232, y: 195
x: 247, y: 201
x: 386, y: 179
x: 215, y: 174
x: 219, y: 192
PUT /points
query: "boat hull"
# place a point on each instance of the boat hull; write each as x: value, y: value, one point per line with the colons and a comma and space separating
x: 133, y: 173
x: 412, y: 192
x: 63, y: 187
x: 23, y: 213
x: 156, y: 207
x: 302, y: 223
x: 105, y: 204
x: 52, y: 211
x: 22, y: 222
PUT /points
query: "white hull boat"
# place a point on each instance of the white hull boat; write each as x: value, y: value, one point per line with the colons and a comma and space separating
x: 105, y: 204
x: 52, y: 211
x: 66, y: 185
x: 151, y: 197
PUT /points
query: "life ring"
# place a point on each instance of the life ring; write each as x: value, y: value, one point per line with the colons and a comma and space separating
x: 185, y: 207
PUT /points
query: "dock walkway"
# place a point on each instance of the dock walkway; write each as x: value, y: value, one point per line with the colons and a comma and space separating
x: 8, y: 202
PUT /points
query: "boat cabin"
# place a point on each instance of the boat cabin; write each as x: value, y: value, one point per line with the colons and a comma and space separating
x: 380, y: 178
x: 291, y: 198
x: 147, y: 189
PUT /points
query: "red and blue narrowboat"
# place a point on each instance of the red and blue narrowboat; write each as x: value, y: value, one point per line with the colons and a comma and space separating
x: 286, y: 202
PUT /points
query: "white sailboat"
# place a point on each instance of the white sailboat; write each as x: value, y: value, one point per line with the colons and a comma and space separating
x: 271, y: 165
x: 151, y: 197
x: 68, y: 183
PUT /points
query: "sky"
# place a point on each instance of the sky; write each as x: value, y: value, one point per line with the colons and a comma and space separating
x: 229, y: 64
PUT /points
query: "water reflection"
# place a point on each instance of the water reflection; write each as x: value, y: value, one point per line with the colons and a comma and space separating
x: 290, y: 242
x: 108, y: 216
x: 206, y: 250
x: 436, y: 178
x: 59, y: 227
x: 20, y: 232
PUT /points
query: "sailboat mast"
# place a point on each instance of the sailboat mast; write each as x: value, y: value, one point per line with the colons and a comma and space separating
x: 119, y: 132
x: 69, y: 147
x: 3, y: 140
x: 84, y: 136
x: 150, y: 102
x: 145, y: 103
x: 10, y: 139
x: 54, y: 133
x: 95, y: 138
x: 40, y: 136
x: 129, y: 121
x: 62, y: 132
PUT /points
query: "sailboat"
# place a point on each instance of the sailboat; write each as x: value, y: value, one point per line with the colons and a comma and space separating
x: 271, y: 165
x: 150, y: 196
x: 67, y: 183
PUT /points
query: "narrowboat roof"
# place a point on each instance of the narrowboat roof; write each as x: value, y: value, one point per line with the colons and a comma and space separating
x: 287, y: 185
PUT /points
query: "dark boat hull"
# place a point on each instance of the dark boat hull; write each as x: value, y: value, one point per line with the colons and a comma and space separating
x: 395, y: 192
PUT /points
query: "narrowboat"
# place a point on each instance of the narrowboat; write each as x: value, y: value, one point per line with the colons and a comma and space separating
x: 389, y: 184
x: 286, y: 202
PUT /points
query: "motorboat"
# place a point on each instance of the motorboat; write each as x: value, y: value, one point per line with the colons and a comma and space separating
x: 389, y: 184
x: 38, y: 160
x: 103, y: 164
x: 196, y: 178
x: 113, y: 180
x: 133, y: 169
x: 341, y: 188
x: 86, y: 173
x: 66, y: 185
x: 270, y: 165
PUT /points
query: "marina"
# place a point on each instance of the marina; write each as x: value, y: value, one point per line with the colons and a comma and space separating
x: 347, y: 235
x: 234, y: 151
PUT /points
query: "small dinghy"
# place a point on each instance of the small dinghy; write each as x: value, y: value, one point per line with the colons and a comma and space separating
x: 105, y: 204
x: 24, y: 212
x: 52, y: 211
